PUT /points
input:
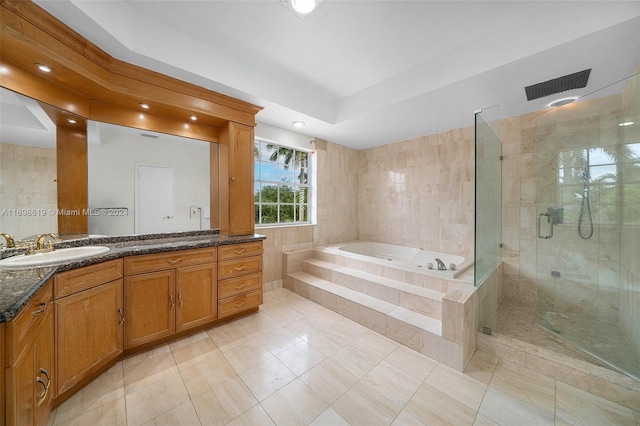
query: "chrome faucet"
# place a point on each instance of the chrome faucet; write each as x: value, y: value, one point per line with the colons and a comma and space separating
x: 10, y: 241
x: 441, y: 266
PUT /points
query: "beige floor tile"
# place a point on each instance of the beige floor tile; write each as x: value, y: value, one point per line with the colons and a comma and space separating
x: 295, y: 404
x: 182, y: 415
x: 105, y: 389
x: 575, y: 406
x: 507, y: 410
x: 456, y: 385
x: 481, y: 366
x: 327, y: 316
x: 358, y: 410
x: 208, y: 374
x: 530, y: 387
x: 432, y: 407
x: 329, y: 418
x: 300, y: 358
x: 257, y: 321
x: 356, y: 360
x: 247, y: 355
x: 158, y: 352
x: 112, y: 413
x: 636, y: 415
x: 328, y: 341
x: 388, y: 387
x: 412, y: 362
x: 254, y: 416
x: 141, y: 370
x: 282, y: 314
x: 267, y: 377
x: 228, y: 333
x: 224, y: 403
x: 329, y: 380
x: 303, y: 327
x: 406, y: 419
x: 483, y: 421
x: 350, y: 328
x: 279, y: 339
x: 192, y: 351
x: 376, y: 343
x: 159, y: 397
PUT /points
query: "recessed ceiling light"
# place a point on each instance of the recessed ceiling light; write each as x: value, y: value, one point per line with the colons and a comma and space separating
x: 71, y: 121
x: 145, y: 106
x: 626, y: 123
x: 298, y: 123
x: 44, y: 68
x: 303, y: 6
x: 563, y: 101
x: 193, y: 118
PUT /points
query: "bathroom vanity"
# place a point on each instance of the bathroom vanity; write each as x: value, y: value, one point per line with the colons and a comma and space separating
x: 66, y: 324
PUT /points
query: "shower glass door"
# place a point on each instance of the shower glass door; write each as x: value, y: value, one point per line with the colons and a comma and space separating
x: 487, y: 217
x: 587, y: 224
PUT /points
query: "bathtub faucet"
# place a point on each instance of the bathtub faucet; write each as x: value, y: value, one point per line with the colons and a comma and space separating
x: 441, y: 266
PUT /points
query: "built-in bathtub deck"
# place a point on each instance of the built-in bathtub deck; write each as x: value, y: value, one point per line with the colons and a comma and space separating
x: 431, y: 315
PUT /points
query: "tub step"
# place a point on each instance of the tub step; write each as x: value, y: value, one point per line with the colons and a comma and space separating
x: 414, y: 298
x: 396, y: 322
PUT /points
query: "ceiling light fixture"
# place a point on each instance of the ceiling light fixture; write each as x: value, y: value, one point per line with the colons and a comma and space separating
x: 71, y: 121
x: 303, y: 6
x: 44, y: 68
x: 626, y: 123
x: 298, y: 124
x: 193, y: 118
x: 144, y: 106
x: 563, y: 101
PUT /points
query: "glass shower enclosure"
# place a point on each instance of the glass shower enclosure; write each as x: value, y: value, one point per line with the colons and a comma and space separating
x: 587, y: 206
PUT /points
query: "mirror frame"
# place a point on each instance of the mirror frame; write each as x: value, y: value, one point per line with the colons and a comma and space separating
x: 91, y: 84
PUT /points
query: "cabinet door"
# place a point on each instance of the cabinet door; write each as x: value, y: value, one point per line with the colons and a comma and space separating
x: 21, y: 389
x: 197, y: 296
x: 236, y: 179
x: 89, y: 327
x: 149, y: 307
x: 45, y: 371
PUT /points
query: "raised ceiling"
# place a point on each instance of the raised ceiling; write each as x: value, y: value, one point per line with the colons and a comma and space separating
x: 368, y: 73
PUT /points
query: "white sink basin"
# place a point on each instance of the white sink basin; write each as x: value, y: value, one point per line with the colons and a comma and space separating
x: 52, y: 257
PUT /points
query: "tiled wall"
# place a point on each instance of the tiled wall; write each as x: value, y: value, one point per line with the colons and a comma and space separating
x: 28, y: 181
x: 420, y: 192
x: 337, y: 186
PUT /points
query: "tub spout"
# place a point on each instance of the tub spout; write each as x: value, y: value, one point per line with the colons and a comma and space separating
x: 441, y: 266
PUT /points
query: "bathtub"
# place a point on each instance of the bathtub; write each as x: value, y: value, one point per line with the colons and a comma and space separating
x: 406, y: 258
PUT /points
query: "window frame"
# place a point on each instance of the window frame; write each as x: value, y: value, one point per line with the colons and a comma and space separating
x: 260, y: 183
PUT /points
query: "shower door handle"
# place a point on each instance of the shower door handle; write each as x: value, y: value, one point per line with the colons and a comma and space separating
x: 550, y: 221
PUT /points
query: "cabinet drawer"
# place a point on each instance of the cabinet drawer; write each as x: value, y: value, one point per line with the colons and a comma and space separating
x: 168, y: 260
x: 240, y: 250
x: 238, y: 267
x: 243, y: 284
x: 70, y: 282
x: 240, y: 303
x: 18, y: 330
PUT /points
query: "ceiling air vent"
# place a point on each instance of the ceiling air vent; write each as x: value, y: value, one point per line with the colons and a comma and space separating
x: 147, y: 135
x: 576, y: 80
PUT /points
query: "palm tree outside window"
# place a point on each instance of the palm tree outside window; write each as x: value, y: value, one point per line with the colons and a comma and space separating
x: 281, y: 187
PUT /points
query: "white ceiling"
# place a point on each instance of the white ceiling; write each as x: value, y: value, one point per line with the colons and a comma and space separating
x: 368, y: 73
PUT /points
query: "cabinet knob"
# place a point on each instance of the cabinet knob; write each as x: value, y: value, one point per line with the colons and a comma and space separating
x: 233, y: 178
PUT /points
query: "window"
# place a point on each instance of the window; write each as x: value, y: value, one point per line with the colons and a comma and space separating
x: 281, y: 189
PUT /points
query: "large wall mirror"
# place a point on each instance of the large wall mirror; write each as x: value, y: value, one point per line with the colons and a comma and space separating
x: 139, y: 181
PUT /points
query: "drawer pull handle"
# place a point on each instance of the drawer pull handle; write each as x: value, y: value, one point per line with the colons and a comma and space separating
x: 239, y: 304
x: 121, y: 316
x: 180, y: 300
x: 42, y: 396
x: 171, y: 304
x: 240, y: 268
x: 240, y: 250
x: 43, y: 307
x: 239, y: 286
x: 173, y: 262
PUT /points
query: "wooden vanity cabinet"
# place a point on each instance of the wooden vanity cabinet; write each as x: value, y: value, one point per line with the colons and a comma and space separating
x: 168, y: 292
x: 236, y: 203
x: 30, y: 362
x: 89, y: 321
x: 239, y: 278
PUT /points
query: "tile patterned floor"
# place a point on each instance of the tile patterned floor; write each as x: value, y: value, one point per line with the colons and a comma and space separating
x: 297, y: 363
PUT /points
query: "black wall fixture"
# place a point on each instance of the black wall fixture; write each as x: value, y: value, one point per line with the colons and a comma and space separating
x: 576, y: 80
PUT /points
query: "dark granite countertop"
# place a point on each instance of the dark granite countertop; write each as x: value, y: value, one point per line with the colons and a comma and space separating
x: 18, y: 285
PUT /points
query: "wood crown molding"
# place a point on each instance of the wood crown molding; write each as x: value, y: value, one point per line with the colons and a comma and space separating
x: 29, y: 34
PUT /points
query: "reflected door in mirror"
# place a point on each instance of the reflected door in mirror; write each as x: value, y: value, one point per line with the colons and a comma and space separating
x: 154, y: 199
